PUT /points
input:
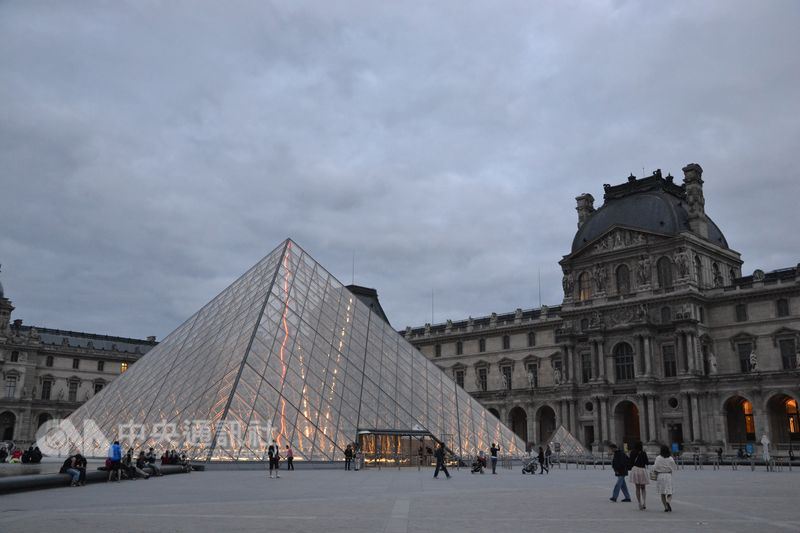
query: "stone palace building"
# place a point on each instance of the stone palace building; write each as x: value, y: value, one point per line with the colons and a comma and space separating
x: 659, y: 337
x: 47, y: 373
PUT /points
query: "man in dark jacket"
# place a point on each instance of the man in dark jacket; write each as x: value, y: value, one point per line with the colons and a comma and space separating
x: 620, y: 466
x: 440, y: 462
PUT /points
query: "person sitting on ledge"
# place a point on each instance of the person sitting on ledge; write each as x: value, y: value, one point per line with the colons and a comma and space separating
x: 3, y: 454
x: 80, y: 466
x: 70, y: 467
x: 36, y: 456
x: 144, y: 461
x: 130, y: 466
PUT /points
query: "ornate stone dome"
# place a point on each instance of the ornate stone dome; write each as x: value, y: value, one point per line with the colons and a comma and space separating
x: 653, y: 204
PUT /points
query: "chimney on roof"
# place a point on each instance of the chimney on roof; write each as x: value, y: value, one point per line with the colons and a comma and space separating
x: 585, y: 208
x: 695, y: 201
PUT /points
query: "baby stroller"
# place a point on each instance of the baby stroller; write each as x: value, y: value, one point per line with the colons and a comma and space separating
x: 478, y: 465
x: 531, y: 466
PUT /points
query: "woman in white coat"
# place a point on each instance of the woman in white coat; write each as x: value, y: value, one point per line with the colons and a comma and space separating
x: 664, y: 467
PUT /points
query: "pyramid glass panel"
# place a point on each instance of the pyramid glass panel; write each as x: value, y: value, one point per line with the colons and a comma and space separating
x: 287, y: 353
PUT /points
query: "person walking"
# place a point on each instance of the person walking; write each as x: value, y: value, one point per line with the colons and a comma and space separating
x: 273, y: 452
x: 439, y: 454
x: 620, y: 466
x: 493, y: 452
x: 548, y: 456
x: 664, y: 466
x: 289, y: 458
x: 348, y: 457
x: 114, y: 461
x: 542, y: 461
x: 639, y: 461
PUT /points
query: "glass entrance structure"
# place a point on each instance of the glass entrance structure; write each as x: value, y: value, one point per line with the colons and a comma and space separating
x: 286, y: 353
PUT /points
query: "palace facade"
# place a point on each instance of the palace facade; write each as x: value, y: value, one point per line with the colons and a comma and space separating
x: 659, y: 336
x: 48, y: 373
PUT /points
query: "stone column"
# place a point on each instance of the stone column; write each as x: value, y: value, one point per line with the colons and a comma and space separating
x: 759, y: 415
x: 696, y: 430
x: 680, y: 356
x: 562, y: 404
x: 691, y: 357
x: 637, y: 355
x: 651, y: 412
x: 595, y: 371
x: 568, y: 364
x: 531, y: 414
x: 687, y: 424
x: 598, y: 434
x: 604, y: 418
x: 601, y: 361
x: 644, y: 427
x: 648, y: 356
x: 573, y: 421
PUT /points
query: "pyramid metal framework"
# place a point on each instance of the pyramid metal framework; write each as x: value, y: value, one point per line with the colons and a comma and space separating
x: 568, y: 445
x: 286, y: 352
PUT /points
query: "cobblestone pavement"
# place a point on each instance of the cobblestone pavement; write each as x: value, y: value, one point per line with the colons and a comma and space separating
x: 394, y: 501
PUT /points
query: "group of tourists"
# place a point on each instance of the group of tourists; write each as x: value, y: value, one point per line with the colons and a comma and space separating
x: 637, y: 464
x: 15, y: 455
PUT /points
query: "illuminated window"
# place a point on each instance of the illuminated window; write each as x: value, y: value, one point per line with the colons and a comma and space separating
x: 749, y: 424
x: 792, y: 415
x: 123, y: 367
x: 584, y: 287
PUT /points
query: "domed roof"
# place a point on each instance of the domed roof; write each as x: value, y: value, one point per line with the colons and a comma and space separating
x: 654, y: 210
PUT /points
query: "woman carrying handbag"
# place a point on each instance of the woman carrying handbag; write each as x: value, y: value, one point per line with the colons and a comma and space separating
x: 638, y: 461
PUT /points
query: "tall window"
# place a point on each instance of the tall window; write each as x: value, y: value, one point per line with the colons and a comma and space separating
x: 14, y: 357
x: 623, y: 276
x: 743, y: 349
x: 76, y: 363
x: 101, y: 365
x: 782, y: 307
x: 73, y: 391
x: 123, y: 367
x: 666, y: 314
x: 48, y: 361
x: 623, y: 361
x: 11, y: 386
x: 698, y: 270
x: 438, y: 350
x: 483, y: 379
x: 557, y: 367
x: 793, y: 419
x: 741, y: 312
x: 531, y: 339
x: 47, y: 389
x: 586, y: 367
x: 670, y: 362
x: 533, y: 375
x: 507, y: 375
x: 459, y: 348
x: 506, y: 342
x: 460, y: 378
x: 482, y: 345
x: 788, y: 351
x: 716, y: 274
x: 732, y: 273
x: 664, y: 268
x: 98, y: 386
x: 584, y: 287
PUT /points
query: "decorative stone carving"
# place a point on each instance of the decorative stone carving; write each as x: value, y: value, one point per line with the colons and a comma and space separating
x: 753, y: 361
x: 556, y: 376
x: 543, y: 312
x: 758, y: 275
x: 682, y: 263
x: 568, y: 283
x: 619, y: 239
x: 712, y: 363
x: 600, y: 277
x: 643, y: 270
x: 531, y: 380
x: 596, y: 320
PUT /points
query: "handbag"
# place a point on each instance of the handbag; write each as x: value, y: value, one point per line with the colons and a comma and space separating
x: 653, y: 475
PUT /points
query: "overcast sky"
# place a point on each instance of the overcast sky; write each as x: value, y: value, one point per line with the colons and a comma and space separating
x: 150, y: 152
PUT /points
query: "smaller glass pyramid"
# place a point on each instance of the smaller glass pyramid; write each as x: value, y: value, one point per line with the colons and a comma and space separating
x: 565, y: 443
x: 287, y: 353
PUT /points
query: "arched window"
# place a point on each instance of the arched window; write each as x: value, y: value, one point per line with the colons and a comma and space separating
x: 664, y: 267
x: 623, y: 276
x: 506, y: 342
x: 698, y: 269
x: 482, y: 345
x: 584, y: 287
x: 623, y: 361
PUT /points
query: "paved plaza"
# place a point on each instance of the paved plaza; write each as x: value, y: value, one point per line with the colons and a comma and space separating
x: 407, y: 500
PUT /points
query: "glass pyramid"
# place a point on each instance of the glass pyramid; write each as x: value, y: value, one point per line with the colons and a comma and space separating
x: 285, y: 352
